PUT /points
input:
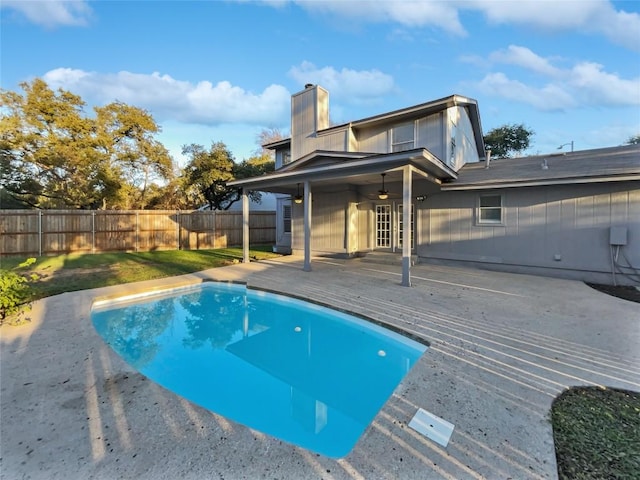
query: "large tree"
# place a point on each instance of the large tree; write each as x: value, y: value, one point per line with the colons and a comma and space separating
x: 508, y: 140
x: 52, y: 155
x: 47, y: 149
x: 208, y: 171
x: 126, y: 135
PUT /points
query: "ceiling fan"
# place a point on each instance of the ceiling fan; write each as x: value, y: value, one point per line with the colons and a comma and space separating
x: 384, y: 193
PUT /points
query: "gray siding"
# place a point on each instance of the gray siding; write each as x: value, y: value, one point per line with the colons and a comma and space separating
x: 552, y: 227
x: 309, y: 113
x: 459, y: 128
x: 374, y: 140
x: 328, y: 222
x: 335, y: 141
x: 431, y: 135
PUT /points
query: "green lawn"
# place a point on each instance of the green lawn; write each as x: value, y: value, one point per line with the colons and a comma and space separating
x: 597, y: 434
x: 68, y: 273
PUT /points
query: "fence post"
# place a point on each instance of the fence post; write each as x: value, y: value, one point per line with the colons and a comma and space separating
x: 39, y: 233
x: 137, y: 229
x: 93, y: 231
x: 178, y: 226
x: 213, y: 226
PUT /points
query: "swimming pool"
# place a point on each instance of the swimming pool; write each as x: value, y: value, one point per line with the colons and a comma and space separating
x: 303, y: 373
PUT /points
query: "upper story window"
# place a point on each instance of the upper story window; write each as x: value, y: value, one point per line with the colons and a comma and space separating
x: 490, y: 209
x: 282, y: 158
x: 403, y: 137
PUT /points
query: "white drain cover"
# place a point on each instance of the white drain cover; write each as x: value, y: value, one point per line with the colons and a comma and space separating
x: 432, y: 427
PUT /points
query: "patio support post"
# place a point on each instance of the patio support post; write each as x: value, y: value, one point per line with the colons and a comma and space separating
x: 245, y: 226
x: 406, y: 226
x: 307, y: 226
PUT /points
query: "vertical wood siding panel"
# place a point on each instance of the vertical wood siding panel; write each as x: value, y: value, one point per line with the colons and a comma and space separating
x: 430, y: 135
x: 632, y: 250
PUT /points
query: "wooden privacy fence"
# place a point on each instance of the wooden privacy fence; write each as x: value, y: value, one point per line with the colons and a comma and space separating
x: 51, y: 232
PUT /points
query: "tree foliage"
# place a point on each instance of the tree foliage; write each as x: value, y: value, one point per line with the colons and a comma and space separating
x: 52, y: 155
x: 634, y: 140
x: 264, y: 137
x: 15, y: 289
x: 126, y: 134
x: 508, y: 140
x: 206, y: 175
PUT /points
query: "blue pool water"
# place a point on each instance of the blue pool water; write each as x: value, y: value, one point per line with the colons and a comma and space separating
x: 300, y: 372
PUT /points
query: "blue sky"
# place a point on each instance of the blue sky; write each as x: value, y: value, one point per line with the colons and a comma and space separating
x: 224, y: 70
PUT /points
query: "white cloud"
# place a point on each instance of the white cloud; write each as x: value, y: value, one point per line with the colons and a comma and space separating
x: 168, y: 98
x: 584, y: 84
x: 587, y: 16
x: 548, y: 97
x: 52, y: 13
x: 600, y: 87
x: 351, y: 86
x: 438, y: 14
x: 523, y: 57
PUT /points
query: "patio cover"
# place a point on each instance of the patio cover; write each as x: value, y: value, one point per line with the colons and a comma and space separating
x: 321, y: 167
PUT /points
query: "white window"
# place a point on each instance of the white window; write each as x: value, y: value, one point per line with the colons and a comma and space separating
x: 402, y: 137
x: 490, y: 209
x: 286, y: 218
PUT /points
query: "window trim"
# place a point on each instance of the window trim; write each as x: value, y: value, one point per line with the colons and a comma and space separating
x: 479, y: 209
x: 394, y: 144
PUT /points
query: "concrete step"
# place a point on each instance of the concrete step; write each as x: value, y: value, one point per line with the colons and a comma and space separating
x: 385, y: 258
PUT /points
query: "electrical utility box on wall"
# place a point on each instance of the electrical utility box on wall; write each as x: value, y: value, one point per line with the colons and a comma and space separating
x: 618, y: 236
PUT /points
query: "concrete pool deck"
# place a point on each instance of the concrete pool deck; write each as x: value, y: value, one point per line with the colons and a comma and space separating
x: 503, y: 346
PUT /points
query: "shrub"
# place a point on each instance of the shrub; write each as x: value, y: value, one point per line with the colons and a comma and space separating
x: 15, y: 289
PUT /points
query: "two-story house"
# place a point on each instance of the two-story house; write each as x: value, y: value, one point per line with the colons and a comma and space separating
x: 357, y: 187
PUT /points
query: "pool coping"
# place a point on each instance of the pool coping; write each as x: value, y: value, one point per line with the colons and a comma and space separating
x: 180, y: 285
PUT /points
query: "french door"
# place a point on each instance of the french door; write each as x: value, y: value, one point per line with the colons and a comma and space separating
x: 385, y: 221
x: 383, y: 226
x: 400, y: 232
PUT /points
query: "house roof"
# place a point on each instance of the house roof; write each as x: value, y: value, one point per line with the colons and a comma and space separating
x: 319, y: 157
x: 587, y: 166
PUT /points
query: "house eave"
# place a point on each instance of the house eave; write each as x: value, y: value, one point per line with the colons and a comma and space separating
x: 277, y: 144
x: 540, y: 183
x: 299, y: 163
x: 421, y: 159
